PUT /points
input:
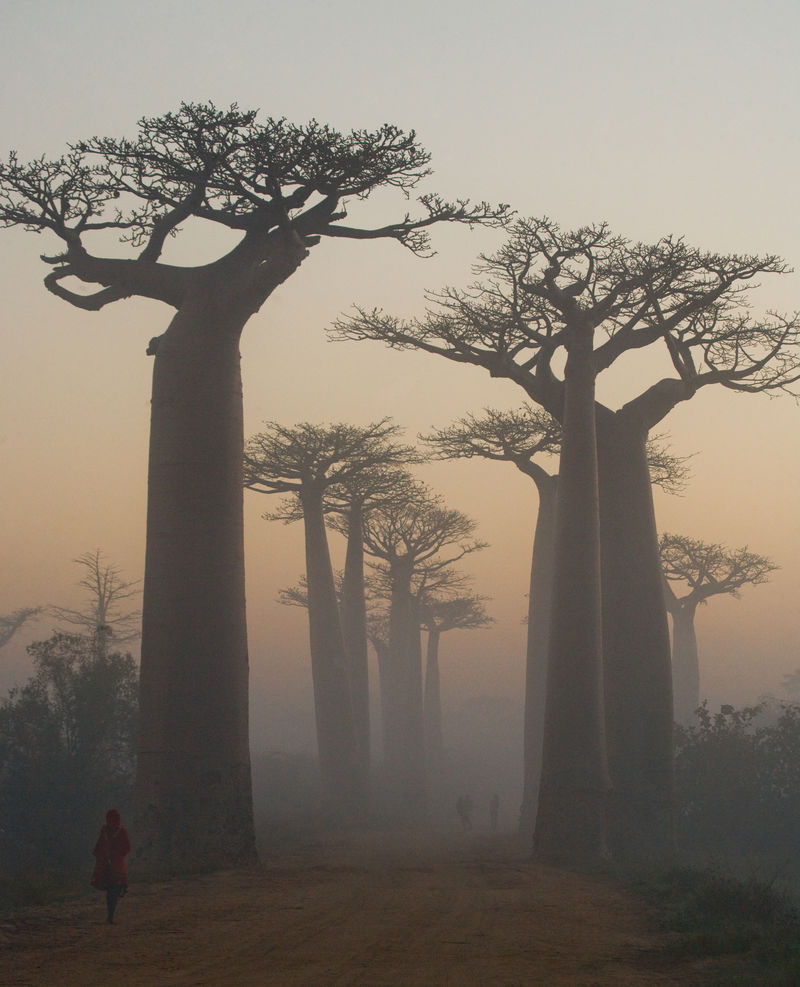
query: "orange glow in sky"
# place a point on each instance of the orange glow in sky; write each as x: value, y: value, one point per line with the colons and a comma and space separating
x: 659, y: 120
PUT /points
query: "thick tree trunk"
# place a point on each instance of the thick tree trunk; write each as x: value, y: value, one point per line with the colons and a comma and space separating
x: 384, y: 685
x: 571, y: 817
x: 333, y: 705
x: 636, y: 656
x: 539, y: 601
x: 685, y: 662
x: 354, y: 629
x: 193, y: 792
x: 405, y: 757
x: 434, y: 747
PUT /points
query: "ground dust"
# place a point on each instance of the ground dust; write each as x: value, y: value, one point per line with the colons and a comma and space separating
x: 379, y: 909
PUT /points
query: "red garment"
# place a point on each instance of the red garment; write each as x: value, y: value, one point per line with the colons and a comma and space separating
x: 110, y: 851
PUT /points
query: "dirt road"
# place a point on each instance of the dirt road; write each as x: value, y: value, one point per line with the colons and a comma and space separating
x: 380, y: 910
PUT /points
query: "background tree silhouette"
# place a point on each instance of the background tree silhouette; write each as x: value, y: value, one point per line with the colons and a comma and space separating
x: 517, y: 437
x: 415, y: 534
x: 308, y: 460
x: 439, y: 614
x: 104, y: 615
x: 694, y: 571
x: 278, y: 187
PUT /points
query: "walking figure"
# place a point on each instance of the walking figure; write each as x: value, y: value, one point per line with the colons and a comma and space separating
x: 464, y: 809
x: 111, y: 870
x: 494, y: 808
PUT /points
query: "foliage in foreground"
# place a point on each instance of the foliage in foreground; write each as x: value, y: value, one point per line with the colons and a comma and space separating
x: 66, y: 754
x: 749, y: 926
x: 737, y: 778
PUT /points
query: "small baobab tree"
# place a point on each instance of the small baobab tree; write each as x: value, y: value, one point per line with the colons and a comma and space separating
x: 278, y: 189
x: 694, y: 571
x: 438, y: 615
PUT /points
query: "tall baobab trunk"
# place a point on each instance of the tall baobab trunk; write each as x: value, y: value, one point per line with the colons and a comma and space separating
x: 333, y: 706
x: 685, y: 661
x: 194, y: 805
x: 571, y: 817
x: 434, y: 746
x: 638, y: 687
x: 354, y: 630
x: 405, y: 756
x: 381, y: 647
x: 193, y: 791
x: 539, y: 604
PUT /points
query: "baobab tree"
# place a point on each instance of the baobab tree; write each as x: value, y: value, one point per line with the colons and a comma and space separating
x: 105, y: 614
x: 309, y: 460
x: 378, y: 637
x: 518, y: 436
x: 699, y: 570
x: 415, y: 535
x: 438, y: 615
x: 347, y: 504
x: 279, y: 188
x: 596, y: 297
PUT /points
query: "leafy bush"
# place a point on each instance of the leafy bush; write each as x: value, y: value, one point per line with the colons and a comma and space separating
x: 66, y: 753
x: 749, y: 926
x: 737, y: 776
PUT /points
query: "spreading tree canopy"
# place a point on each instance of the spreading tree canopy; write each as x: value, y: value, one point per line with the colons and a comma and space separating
x: 694, y: 571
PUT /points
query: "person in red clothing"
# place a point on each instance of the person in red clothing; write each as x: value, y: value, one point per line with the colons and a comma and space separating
x: 111, y: 869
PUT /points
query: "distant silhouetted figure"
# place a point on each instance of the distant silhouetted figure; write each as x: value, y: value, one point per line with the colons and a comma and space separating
x: 464, y: 809
x: 494, y: 808
x: 111, y: 869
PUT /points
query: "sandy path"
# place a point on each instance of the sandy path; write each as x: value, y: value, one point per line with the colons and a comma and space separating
x: 381, y: 910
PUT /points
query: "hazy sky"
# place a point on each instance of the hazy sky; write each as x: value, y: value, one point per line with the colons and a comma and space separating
x: 678, y: 118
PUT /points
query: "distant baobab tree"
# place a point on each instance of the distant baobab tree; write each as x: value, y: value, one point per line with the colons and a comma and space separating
x: 278, y: 188
x: 438, y: 615
x: 594, y: 296
x: 520, y: 436
x: 104, y: 615
x: 347, y: 505
x: 416, y: 534
x: 10, y: 623
x: 310, y: 460
x: 694, y: 571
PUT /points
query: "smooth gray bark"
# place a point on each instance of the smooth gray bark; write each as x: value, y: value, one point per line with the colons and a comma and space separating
x: 354, y: 630
x: 333, y: 704
x: 193, y: 793
x: 539, y: 607
x: 685, y: 661
x: 573, y: 794
x: 405, y: 754
x: 636, y: 652
x: 434, y: 747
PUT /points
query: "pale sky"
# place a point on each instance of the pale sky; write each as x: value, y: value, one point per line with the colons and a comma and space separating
x: 678, y: 118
